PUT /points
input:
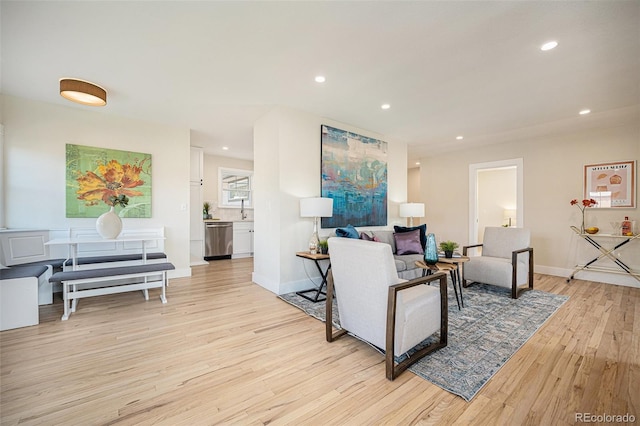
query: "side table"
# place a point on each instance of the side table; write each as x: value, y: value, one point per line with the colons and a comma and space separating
x: 324, y: 274
x: 452, y: 265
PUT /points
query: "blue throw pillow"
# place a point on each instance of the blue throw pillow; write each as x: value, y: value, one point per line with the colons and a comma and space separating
x: 422, y: 228
x: 348, y: 232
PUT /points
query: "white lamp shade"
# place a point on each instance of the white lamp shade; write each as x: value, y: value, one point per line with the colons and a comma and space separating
x: 509, y: 213
x: 316, y: 207
x: 412, y: 210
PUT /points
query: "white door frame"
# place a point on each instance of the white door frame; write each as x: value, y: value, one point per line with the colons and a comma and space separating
x: 473, y: 192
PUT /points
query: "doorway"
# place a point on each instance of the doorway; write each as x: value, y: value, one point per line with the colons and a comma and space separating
x: 495, y: 196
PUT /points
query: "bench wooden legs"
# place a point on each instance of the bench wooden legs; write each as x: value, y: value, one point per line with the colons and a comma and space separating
x: 165, y: 282
x: 71, y: 295
x: 65, y: 301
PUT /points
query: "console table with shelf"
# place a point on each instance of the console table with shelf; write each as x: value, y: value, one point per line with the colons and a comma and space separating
x: 607, y: 251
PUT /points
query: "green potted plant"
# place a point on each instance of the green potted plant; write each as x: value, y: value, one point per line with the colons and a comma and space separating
x: 323, y: 246
x: 448, y: 247
x: 205, y: 210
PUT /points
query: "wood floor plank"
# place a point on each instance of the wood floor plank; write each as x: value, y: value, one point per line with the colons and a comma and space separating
x: 226, y: 351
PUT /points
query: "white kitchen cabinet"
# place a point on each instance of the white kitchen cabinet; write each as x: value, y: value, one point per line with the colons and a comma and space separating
x: 242, y: 239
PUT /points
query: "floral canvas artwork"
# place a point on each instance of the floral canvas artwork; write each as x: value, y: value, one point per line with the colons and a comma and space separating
x: 93, y: 175
x: 354, y: 174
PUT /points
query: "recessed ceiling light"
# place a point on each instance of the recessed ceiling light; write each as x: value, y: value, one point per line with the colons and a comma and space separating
x: 585, y: 111
x: 417, y: 163
x: 320, y: 79
x: 459, y: 138
x: 549, y: 45
x: 225, y: 148
x: 385, y: 106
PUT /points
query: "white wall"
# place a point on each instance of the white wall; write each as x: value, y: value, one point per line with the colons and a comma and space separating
x: 35, y: 138
x: 497, y: 191
x: 553, y: 176
x: 287, y: 168
x: 413, y: 193
x: 2, y: 171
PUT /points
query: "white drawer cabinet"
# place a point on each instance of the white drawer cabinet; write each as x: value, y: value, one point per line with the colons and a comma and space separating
x: 242, y: 239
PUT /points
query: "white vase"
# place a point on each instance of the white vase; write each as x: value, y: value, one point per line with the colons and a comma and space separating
x: 109, y: 224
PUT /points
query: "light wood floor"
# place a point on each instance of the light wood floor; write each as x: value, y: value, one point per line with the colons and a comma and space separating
x: 226, y: 351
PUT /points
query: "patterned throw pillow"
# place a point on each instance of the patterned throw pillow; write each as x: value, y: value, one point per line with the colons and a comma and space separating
x: 364, y: 235
x: 408, y: 242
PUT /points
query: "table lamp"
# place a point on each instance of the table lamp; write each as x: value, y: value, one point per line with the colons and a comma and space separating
x: 510, y: 216
x: 315, y: 207
x: 411, y: 210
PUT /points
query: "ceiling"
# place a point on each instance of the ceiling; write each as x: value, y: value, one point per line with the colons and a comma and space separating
x: 446, y: 68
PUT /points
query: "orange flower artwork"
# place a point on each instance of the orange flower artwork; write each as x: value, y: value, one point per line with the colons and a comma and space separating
x: 95, y: 175
x: 111, y: 179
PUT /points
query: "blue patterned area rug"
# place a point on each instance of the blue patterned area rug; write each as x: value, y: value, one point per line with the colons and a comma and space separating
x: 482, y: 336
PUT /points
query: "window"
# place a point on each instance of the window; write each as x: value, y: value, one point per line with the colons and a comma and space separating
x: 235, y: 187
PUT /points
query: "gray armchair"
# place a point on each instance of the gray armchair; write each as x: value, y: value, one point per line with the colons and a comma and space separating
x: 506, y: 260
x: 380, y: 308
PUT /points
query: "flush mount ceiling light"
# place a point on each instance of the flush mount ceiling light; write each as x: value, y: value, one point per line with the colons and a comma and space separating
x: 320, y: 79
x: 82, y: 92
x: 385, y: 106
x: 459, y: 138
x: 549, y: 45
x: 584, y: 112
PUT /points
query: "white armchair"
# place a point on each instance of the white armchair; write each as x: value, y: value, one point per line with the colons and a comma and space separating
x: 506, y: 260
x: 380, y: 308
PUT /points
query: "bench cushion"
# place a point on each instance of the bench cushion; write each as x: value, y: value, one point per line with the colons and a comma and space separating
x: 22, y: 272
x: 110, y: 272
x: 54, y: 263
x: 114, y: 258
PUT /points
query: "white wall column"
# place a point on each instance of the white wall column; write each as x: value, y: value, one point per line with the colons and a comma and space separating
x: 287, y: 161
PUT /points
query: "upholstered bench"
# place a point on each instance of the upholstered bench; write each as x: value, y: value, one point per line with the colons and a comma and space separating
x: 115, y: 258
x: 102, y: 281
x: 19, y: 295
x: 45, y: 289
x: 56, y: 264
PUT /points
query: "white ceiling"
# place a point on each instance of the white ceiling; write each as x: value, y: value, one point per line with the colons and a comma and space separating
x: 447, y: 68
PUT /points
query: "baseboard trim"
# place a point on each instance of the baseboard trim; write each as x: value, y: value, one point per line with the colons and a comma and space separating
x: 601, y: 277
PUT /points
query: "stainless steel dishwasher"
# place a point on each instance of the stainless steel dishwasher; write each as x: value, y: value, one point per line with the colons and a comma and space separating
x: 218, y: 240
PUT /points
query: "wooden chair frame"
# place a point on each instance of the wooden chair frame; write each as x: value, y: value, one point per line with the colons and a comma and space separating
x: 515, y: 290
x: 393, y: 370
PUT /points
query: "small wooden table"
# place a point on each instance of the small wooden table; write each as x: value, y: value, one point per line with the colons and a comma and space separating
x: 451, y: 265
x: 324, y: 274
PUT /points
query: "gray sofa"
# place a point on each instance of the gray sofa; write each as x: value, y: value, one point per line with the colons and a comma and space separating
x: 406, y: 263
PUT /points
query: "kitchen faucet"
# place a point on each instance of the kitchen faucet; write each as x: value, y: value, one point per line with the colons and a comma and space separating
x: 243, y: 215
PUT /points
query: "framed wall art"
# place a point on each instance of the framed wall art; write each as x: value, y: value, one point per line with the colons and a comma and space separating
x: 95, y: 174
x: 354, y: 174
x: 611, y: 184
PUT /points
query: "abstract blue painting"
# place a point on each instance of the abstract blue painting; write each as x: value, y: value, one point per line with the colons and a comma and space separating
x: 354, y: 174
